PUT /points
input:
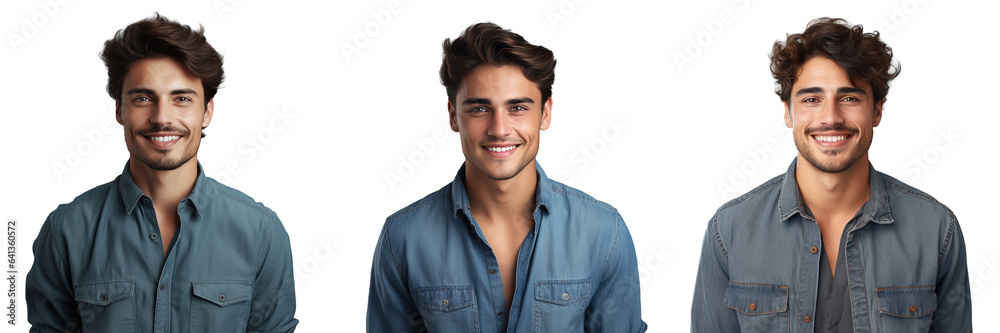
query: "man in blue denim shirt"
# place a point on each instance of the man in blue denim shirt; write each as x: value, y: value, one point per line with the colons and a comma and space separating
x: 503, y: 248
x: 833, y: 245
x: 162, y: 248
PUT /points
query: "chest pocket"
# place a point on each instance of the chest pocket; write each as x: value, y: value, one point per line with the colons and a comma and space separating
x: 559, y: 305
x: 106, y: 305
x: 449, y: 309
x: 906, y: 309
x: 759, y: 307
x: 220, y: 306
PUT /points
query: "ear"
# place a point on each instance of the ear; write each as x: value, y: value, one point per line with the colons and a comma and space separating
x: 209, y: 111
x: 118, y: 113
x: 546, y: 114
x: 788, y: 115
x: 452, y: 117
x: 878, y: 113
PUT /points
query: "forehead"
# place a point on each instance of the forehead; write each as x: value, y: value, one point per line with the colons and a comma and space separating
x: 500, y: 80
x: 820, y: 71
x: 162, y: 73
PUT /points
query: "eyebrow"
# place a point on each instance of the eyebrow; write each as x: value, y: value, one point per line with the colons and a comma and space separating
x: 520, y: 100
x: 841, y: 90
x: 151, y: 92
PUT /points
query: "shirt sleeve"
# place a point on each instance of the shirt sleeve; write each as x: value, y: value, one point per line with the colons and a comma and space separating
x: 954, y: 309
x: 273, y: 305
x: 708, y: 313
x: 48, y: 288
x: 615, y: 306
x: 390, y: 307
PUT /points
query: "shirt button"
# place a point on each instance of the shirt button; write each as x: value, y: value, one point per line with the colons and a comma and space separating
x: 444, y: 302
x: 163, y: 287
x: 913, y: 309
x: 104, y: 297
x: 222, y: 297
x: 493, y: 271
x: 807, y: 318
x: 813, y: 250
x: 152, y: 236
x: 753, y: 306
x: 499, y: 314
x: 565, y: 296
x: 145, y: 200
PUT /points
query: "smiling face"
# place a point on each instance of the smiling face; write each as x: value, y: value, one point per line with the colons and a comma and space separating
x: 162, y: 110
x: 832, y: 119
x: 499, y: 115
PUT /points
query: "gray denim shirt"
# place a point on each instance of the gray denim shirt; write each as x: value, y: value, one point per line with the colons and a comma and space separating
x: 906, y: 263
x: 99, y: 265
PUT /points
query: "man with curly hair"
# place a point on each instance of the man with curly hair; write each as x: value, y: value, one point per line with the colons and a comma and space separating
x: 833, y: 245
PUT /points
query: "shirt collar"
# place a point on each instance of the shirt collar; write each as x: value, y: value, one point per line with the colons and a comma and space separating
x: 460, y: 197
x: 131, y: 194
x: 790, y: 201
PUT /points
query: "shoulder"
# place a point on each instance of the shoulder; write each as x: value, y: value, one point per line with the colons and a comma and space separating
x: 760, y: 199
x: 230, y: 197
x: 567, y: 196
x: 85, y: 207
x: 430, y: 210
x: 906, y: 202
x: 574, y: 211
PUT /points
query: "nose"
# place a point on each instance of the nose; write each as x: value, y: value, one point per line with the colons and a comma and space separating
x: 499, y: 125
x: 163, y: 113
x: 831, y: 113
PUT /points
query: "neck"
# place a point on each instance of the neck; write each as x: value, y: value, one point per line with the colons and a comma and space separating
x: 833, y: 193
x: 500, y: 200
x: 165, y: 187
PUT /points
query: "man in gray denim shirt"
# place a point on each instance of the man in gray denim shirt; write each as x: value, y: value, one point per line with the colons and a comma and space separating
x: 162, y: 247
x: 832, y: 245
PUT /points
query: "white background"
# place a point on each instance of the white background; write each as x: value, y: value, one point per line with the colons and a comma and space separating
x: 665, y: 143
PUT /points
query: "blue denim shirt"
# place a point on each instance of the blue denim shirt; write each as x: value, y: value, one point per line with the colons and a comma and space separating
x: 576, y: 270
x: 759, y: 268
x: 99, y: 265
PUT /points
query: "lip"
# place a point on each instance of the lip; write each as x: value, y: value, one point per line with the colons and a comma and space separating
x: 156, y: 139
x: 831, y: 139
x: 501, y: 151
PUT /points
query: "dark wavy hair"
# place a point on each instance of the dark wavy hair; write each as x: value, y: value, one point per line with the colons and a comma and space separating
x: 158, y: 36
x: 488, y: 43
x: 862, y: 55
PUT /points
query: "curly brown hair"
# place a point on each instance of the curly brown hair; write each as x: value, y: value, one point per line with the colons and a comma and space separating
x: 862, y: 55
x: 488, y: 43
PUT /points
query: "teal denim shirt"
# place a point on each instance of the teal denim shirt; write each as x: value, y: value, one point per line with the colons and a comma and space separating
x: 99, y: 265
x: 906, y: 263
x: 433, y: 270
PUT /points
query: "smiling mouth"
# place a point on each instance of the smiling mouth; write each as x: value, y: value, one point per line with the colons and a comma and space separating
x: 501, y: 149
x: 830, y: 138
x: 166, y: 138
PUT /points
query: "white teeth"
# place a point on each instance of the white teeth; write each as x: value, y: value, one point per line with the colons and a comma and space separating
x: 831, y: 138
x: 165, y: 138
x: 500, y: 149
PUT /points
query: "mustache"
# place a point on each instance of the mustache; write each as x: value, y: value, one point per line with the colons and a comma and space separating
x: 163, y: 129
x: 500, y: 143
x: 837, y: 128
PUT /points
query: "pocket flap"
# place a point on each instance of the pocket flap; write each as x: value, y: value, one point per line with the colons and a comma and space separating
x: 907, y: 301
x: 222, y: 293
x: 446, y: 298
x: 756, y: 299
x: 103, y: 292
x: 562, y: 291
